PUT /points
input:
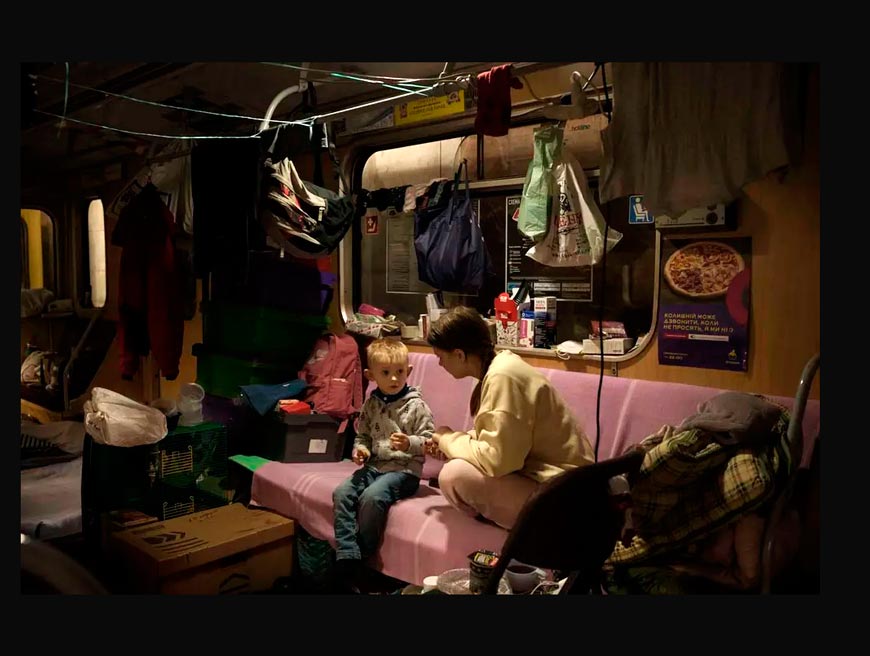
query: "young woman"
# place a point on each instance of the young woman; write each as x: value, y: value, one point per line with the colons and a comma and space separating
x: 523, y: 432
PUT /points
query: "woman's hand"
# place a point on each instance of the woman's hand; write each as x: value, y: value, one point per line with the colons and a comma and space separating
x: 430, y: 446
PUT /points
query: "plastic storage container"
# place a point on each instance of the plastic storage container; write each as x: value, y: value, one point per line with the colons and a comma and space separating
x: 255, y: 331
x: 300, y: 438
x: 222, y: 375
x: 236, y: 415
x: 184, y: 472
x: 167, y: 502
x: 190, y: 404
x: 272, y: 281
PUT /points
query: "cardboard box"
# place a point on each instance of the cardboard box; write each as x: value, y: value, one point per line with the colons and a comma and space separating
x: 613, y: 346
x: 227, y: 550
x: 507, y: 333
x: 545, y: 321
x: 527, y: 330
x: 546, y: 304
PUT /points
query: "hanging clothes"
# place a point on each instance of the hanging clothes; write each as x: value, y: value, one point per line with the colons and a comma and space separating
x: 494, y: 101
x: 150, y: 292
x: 414, y: 193
x: 388, y: 198
x: 689, y: 135
x: 172, y: 177
x: 226, y: 186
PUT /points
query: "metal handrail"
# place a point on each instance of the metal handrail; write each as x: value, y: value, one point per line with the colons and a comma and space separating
x: 67, y: 371
x: 795, y: 438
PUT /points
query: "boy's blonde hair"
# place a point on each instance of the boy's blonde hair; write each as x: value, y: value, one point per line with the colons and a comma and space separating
x: 387, y: 351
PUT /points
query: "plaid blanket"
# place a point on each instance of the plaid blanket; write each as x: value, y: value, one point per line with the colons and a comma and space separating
x: 690, y: 485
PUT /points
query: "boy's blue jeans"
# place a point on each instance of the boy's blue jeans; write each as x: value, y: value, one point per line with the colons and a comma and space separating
x: 361, y: 504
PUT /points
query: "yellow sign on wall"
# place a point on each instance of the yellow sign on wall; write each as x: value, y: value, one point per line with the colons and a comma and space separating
x: 426, y: 109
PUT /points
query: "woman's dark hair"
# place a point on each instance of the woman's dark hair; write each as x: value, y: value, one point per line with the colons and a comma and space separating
x: 463, y: 328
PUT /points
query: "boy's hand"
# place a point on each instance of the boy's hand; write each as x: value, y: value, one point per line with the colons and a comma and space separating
x: 400, y: 442
x: 360, y: 455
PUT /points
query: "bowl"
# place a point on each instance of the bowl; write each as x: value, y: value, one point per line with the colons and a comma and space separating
x: 457, y: 582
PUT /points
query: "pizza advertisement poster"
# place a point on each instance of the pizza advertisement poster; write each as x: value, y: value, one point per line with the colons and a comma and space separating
x: 704, y: 303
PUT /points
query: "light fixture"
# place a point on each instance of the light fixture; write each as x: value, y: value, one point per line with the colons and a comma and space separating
x: 97, y: 252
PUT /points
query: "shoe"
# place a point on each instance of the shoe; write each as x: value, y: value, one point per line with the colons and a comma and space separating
x: 346, y: 575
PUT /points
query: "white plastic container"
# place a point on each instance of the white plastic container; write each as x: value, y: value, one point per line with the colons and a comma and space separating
x: 430, y: 583
x: 190, y: 404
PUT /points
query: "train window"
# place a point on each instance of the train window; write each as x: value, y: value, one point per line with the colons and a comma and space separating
x: 38, y: 250
x: 386, y: 265
x: 24, y: 259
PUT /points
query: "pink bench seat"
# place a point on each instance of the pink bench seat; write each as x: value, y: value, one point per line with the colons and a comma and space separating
x: 424, y: 534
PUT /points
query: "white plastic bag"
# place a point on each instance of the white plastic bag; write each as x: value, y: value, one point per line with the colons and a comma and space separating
x: 113, y: 419
x: 34, y: 301
x: 31, y: 369
x: 68, y: 436
x: 576, y: 235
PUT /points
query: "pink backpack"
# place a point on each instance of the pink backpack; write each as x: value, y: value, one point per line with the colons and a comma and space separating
x: 334, y: 376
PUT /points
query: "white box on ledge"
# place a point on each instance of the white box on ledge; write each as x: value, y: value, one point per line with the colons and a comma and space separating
x: 612, y: 346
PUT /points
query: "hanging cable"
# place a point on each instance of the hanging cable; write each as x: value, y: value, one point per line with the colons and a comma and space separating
x: 606, y: 96
x: 403, y: 80
x: 590, y: 78
x: 532, y: 91
x: 62, y: 123
x: 447, y: 70
x: 601, y: 339
x: 159, y: 104
x: 65, y: 88
x: 388, y: 86
x: 339, y: 112
x: 151, y: 134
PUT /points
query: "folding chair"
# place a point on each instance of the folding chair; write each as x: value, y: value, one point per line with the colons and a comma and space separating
x: 570, y: 524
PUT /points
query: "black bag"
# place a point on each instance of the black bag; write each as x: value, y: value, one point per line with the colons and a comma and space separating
x: 302, y: 218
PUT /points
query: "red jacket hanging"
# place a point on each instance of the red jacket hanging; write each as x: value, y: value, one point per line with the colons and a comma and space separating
x: 150, y: 293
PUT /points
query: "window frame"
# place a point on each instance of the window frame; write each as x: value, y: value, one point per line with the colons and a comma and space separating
x: 51, y: 282
x: 349, y: 249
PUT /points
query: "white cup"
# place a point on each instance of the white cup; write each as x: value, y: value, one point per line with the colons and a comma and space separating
x: 190, y: 404
x: 522, y: 577
x: 429, y: 584
x: 437, y: 313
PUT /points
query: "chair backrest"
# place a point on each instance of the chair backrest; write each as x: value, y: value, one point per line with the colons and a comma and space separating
x: 570, y: 523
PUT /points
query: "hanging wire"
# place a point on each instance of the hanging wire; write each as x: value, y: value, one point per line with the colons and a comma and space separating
x: 321, y: 117
x: 309, y: 120
x: 151, y: 134
x: 402, y: 80
x: 604, y: 82
x: 389, y: 86
x: 532, y: 91
x: 65, y: 98
x: 159, y: 104
x: 458, y: 151
x: 590, y: 78
x: 65, y: 87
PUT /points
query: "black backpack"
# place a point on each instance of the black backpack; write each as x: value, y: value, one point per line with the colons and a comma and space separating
x: 302, y: 218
